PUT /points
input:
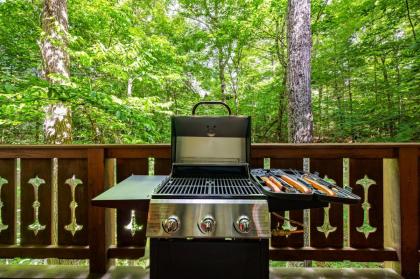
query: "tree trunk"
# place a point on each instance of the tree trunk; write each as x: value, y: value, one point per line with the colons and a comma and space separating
x: 222, y: 74
x: 340, y: 109
x: 282, y: 106
x: 351, y: 109
x: 388, y: 90
x: 320, y: 121
x: 299, y: 71
x: 327, y: 112
x: 413, y: 29
x: 130, y: 87
x: 281, y: 57
x: 375, y: 83
x: 57, y: 124
x: 398, y: 81
x: 234, y: 72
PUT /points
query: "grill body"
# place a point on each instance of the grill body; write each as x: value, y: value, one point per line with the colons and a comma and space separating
x: 219, y: 198
x: 209, y: 219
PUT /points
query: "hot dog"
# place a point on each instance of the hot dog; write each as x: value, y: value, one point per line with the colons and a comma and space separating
x: 270, y: 184
x: 277, y: 182
x: 296, y: 184
x: 318, y: 186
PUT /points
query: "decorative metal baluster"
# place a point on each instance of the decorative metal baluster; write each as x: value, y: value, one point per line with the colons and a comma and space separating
x: 3, y: 227
x: 133, y: 226
x: 36, y: 226
x: 326, y: 227
x: 287, y: 226
x: 73, y: 227
x: 366, y: 228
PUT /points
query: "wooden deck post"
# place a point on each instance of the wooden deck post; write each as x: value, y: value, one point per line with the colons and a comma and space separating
x: 98, y: 259
x: 409, y: 195
x: 392, y: 220
x: 110, y: 213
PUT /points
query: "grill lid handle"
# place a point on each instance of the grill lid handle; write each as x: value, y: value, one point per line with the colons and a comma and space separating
x: 211, y: 103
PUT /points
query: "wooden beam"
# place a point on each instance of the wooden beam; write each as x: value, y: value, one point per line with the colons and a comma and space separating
x: 38, y: 153
x: 320, y: 152
x: 163, y: 151
x: 110, y: 213
x: 275, y: 145
x: 409, y: 213
x: 331, y: 254
x: 44, y: 251
x: 98, y: 260
x: 391, y: 213
x: 134, y: 204
x: 8, y: 171
x: 128, y: 252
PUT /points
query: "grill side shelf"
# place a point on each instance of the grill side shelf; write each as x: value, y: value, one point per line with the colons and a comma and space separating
x: 291, y: 194
x: 316, y: 198
x: 285, y: 201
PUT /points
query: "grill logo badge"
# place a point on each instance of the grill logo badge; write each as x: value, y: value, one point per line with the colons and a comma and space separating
x: 211, y: 130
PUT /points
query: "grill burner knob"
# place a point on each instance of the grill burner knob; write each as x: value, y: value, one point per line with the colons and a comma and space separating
x: 171, y: 224
x: 243, y: 224
x: 207, y: 224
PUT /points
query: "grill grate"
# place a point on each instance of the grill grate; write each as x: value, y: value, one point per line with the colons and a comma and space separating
x: 205, y: 187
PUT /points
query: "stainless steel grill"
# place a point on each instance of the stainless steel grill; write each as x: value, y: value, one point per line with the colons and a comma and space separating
x: 205, y: 187
x: 209, y: 213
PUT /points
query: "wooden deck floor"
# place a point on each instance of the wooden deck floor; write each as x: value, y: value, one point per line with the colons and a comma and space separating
x: 62, y: 271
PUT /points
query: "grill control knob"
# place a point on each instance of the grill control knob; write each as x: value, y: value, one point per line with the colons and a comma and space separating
x: 243, y: 224
x: 207, y: 224
x: 171, y: 224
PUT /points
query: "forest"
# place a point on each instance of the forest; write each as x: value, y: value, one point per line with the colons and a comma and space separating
x: 134, y: 63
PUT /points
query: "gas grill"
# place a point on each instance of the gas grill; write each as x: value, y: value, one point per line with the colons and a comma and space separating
x: 209, y: 213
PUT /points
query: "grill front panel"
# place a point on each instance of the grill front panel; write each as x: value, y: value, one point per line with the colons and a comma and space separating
x: 190, y: 213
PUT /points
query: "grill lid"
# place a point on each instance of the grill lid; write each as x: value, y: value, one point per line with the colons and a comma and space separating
x: 211, y: 139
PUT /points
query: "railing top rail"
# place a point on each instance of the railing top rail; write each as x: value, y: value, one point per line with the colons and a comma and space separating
x: 259, y: 150
x: 336, y: 145
x: 257, y: 145
x: 81, y: 146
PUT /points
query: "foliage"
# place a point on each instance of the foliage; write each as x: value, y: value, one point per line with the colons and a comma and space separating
x: 135, y: 63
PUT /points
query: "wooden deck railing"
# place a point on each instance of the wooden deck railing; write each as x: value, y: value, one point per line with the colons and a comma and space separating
x: 54, y: 223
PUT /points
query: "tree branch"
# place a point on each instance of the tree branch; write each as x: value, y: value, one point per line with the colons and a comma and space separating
x: 409, y: 19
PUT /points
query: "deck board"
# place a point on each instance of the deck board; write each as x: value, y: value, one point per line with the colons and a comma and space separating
x: 67, y: 271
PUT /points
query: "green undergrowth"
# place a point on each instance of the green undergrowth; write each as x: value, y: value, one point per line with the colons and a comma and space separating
x: 144, y: 263
x: 340, y: 264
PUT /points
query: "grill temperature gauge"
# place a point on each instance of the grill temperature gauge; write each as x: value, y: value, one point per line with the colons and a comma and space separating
x: 171, y: 224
